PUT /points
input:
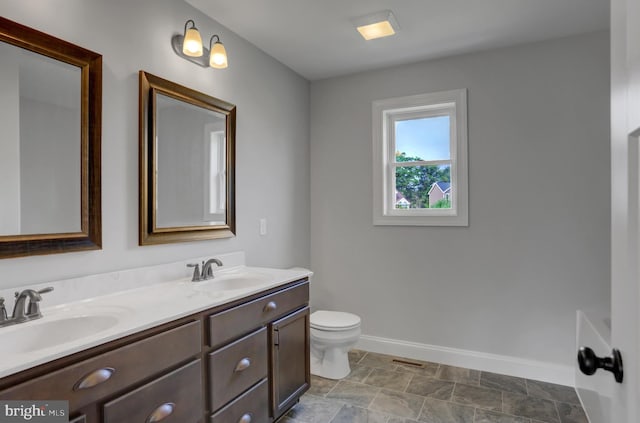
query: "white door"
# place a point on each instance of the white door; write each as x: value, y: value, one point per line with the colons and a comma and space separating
x: 625, y: 242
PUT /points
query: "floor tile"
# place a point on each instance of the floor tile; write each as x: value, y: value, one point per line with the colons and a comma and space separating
x: 321, y: 386
x: 571, y: 413
x: 398, y: 403
x: 359, y: 373
x: 393, y: 419
x: 352, y: 414
x: 437, y: 411
x: 312, y: 409
x: 503, y: 383
x: 477, y: 396
x: 382, y: 389
x: 459, y: 374
x: 487, y: 416
x: 432, y: 388
x: 528, y: 406
x: 353, y: 393
x: 356, y: 355
x: 424, y: 368
x: 388, y: 379
x: 552, y: 391
x: 379, y: 361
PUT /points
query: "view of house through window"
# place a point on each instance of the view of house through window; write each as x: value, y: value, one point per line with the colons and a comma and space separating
x: 422, y: 163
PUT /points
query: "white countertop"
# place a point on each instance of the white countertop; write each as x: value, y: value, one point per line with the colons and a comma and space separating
x: 134, y: 310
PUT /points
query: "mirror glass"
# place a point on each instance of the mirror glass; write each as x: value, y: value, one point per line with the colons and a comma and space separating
x: 50, y: 118
x: 40, y: 144
x: 187, y: 161
x: 190, y: 164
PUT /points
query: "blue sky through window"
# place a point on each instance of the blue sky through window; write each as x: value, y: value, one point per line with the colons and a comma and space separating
x: 426, y: 138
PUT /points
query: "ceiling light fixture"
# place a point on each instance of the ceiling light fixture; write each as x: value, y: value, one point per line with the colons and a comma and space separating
x: 376, y: 25
x: 189, y: 46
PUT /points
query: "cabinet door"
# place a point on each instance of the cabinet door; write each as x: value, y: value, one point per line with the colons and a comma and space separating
x: 290, y: 375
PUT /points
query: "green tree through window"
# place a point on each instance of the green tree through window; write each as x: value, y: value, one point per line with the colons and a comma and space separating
x: 414, y: 182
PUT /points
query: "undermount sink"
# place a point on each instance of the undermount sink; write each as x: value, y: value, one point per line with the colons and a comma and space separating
x: 43, y: 333
x: 233, y: 282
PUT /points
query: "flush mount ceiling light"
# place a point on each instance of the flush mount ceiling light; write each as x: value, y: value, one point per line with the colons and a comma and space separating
x: 376, y: 25
x: 189, y: 46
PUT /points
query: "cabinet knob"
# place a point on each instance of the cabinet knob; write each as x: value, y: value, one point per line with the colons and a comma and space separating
x: 243, y: 364
x: 160, y: 413
x: 271, y: 305
x: 246, y: 418
x: 94, y: 378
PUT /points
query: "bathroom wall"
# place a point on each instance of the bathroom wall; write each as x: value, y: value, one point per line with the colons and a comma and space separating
x: 505, y: 288
x: 272, y: 178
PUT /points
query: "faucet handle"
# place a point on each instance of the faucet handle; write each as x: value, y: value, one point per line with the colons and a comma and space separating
x: 3, y: 310
x: 196, y: 272
x: 33, y: 309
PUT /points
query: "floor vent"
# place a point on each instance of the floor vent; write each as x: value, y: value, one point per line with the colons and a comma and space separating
x: 410, y: 363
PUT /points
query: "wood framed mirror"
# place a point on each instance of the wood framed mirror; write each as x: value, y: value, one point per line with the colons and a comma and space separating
x: 50, y: 115
x: 187, y: 164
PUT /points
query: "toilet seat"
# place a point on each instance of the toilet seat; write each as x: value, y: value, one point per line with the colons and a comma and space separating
x: 333, y: 321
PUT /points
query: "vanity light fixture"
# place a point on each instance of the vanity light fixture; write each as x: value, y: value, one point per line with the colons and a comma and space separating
x: 376, y: 25
x: 189, y: 46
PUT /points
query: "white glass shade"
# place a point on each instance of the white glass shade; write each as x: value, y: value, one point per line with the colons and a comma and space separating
x: 218, y: 57
x: 192, y: 45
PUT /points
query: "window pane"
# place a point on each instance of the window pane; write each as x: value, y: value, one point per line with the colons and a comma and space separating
x: 422, y: 139
x: 423, y: 187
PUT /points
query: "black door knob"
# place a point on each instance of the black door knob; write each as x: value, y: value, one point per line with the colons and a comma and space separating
x: 589, y: 362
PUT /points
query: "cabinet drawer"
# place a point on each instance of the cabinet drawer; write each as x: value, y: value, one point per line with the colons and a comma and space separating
x: 252, y: 406
x: 173, y: 398
x: 236, y: 367
x: 244, y: 318
x: 90, y: 380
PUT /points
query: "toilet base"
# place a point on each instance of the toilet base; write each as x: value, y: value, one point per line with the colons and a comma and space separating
x: 332, y: 364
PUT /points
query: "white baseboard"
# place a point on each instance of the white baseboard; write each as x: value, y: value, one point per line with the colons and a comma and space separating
x: 506, y: 365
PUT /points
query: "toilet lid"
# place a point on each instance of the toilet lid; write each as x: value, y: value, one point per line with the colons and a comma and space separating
x: 333, y: 320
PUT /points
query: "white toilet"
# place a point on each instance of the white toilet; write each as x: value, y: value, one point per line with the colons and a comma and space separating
x: 333, y: 334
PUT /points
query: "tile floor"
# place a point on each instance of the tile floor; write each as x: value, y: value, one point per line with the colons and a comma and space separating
x: 381, y: 389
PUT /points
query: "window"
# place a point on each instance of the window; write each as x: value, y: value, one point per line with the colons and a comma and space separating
x: 420, y: 160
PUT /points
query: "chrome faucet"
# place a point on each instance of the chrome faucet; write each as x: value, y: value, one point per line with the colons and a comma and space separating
x: 22, y: 311
x: 207, y: 271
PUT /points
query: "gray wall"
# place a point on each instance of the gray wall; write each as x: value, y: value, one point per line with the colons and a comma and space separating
x: 537, y: 246
x: 272, y: 134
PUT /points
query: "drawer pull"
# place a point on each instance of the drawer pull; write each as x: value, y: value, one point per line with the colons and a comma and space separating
x: 94, y: 378
x: 161, y: 413
x: 243, y: 364
x: 271, y: 306
x: 246, y: 418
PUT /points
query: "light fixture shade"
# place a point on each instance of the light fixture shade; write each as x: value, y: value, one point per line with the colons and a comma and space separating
x: 376, y: 30
x: 192, y: 45
x: 218, y: 58
x: 376, y: 25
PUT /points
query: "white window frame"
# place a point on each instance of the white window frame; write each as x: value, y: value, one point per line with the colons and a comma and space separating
x: 451, y: 103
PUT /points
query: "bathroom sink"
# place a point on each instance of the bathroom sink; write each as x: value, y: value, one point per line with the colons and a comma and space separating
x: 43, y: 333
x: 234, y: 281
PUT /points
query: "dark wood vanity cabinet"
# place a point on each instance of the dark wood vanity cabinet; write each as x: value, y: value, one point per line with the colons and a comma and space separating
x: 249, y: 358
x: 245, y: 362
